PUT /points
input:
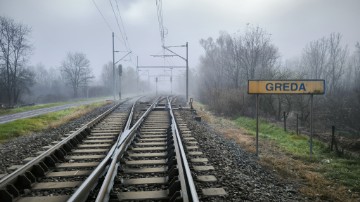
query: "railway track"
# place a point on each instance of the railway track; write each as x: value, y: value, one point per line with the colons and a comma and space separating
x: 65, y: 164
x: 154, y: 158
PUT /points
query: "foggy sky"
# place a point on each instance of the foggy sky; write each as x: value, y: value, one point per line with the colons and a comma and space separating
x: 60, y: 26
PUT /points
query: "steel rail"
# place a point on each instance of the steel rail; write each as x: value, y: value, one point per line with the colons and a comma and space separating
x: 13, y: 177
x: 126, y: 137
x: 189, y: 190
x: 82, y: 193
x: 182, y: 174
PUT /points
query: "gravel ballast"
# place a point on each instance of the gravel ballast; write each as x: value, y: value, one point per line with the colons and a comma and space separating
x: 238, y: 171
x: 16, y: 150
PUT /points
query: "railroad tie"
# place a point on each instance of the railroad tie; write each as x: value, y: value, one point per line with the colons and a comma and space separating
x: 201, y: 165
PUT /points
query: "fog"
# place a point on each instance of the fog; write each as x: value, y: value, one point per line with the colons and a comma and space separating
x: 85, y: 26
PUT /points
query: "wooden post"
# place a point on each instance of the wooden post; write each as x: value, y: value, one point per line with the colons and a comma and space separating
x: 332, y: 137
x: 284, y: 115
x: 297, y: 124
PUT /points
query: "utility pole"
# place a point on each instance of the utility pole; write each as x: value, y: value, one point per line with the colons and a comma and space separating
x: 137, y: 75
x: 156, y: 86
x: 148, y: 78
x: 113, y: 53
x: 120, y: 74
x: 187, y: 72
x: 171, y: 80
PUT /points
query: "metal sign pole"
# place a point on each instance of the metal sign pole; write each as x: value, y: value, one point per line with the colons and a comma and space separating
x: 257, y: 124
x: 311, y: 124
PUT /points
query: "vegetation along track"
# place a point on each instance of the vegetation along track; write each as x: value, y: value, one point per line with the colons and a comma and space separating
x: 56, y: 172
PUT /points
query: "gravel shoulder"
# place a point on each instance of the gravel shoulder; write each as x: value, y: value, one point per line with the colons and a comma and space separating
x: 308, y: 178
x: 238, y: 171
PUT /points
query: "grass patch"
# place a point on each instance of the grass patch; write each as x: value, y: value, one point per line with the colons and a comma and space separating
x: 51, y: 120
x: 289, y: 141
x: 344, y: 170
x: 40, y: 106
x: 29, y: 108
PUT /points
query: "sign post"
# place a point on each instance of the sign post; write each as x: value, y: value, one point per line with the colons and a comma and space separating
x: 257, y: 124
x: 304, y: 87
x: 311, y: 125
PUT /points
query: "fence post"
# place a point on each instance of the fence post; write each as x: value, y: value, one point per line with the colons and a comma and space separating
x: 284, y: 121
x: 297, y: 124
x: 332, y: 137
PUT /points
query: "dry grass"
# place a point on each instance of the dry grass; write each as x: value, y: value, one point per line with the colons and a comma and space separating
x: 50, y: 120
x: 81, y: 111
x: 306, y: 174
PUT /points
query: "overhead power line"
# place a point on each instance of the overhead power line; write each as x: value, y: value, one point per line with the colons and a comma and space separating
x: 121, y: 27
x: 161, y: 21
x: 103, y: 17
x: 118, y: 25
x: 122, y: 23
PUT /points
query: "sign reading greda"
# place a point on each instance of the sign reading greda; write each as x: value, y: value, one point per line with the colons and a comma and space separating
x: 286, y: 86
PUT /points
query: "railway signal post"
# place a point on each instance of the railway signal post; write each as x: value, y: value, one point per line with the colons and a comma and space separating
x: 114, y: 68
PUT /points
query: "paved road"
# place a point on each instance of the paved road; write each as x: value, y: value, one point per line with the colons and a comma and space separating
x: 36, y: 112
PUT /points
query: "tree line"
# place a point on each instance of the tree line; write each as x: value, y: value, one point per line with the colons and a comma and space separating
x: 231, y: 60
x: 22, y: 83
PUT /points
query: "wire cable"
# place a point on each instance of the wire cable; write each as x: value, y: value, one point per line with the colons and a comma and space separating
x: 103, y: 17
x: 124, y: 37
x: 123, y: 27
x: 118, y: 25
x: 122, y: 23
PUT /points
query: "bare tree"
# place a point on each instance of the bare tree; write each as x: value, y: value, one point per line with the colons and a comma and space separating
x: 107, y: 76
x: 227, y: 59
x: 256, y: 53
x: 14, y: 51
x: 128, y: 80
x: 326, y: 59
x: 352, y: 88
x: 337, y: 60
x: 211, y: 72
x: 44, y: 77
x: 76, y: 71
x: 356, y: 65
x: 229, y: 62
x: 315, y: 58
x: 49, y: 86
